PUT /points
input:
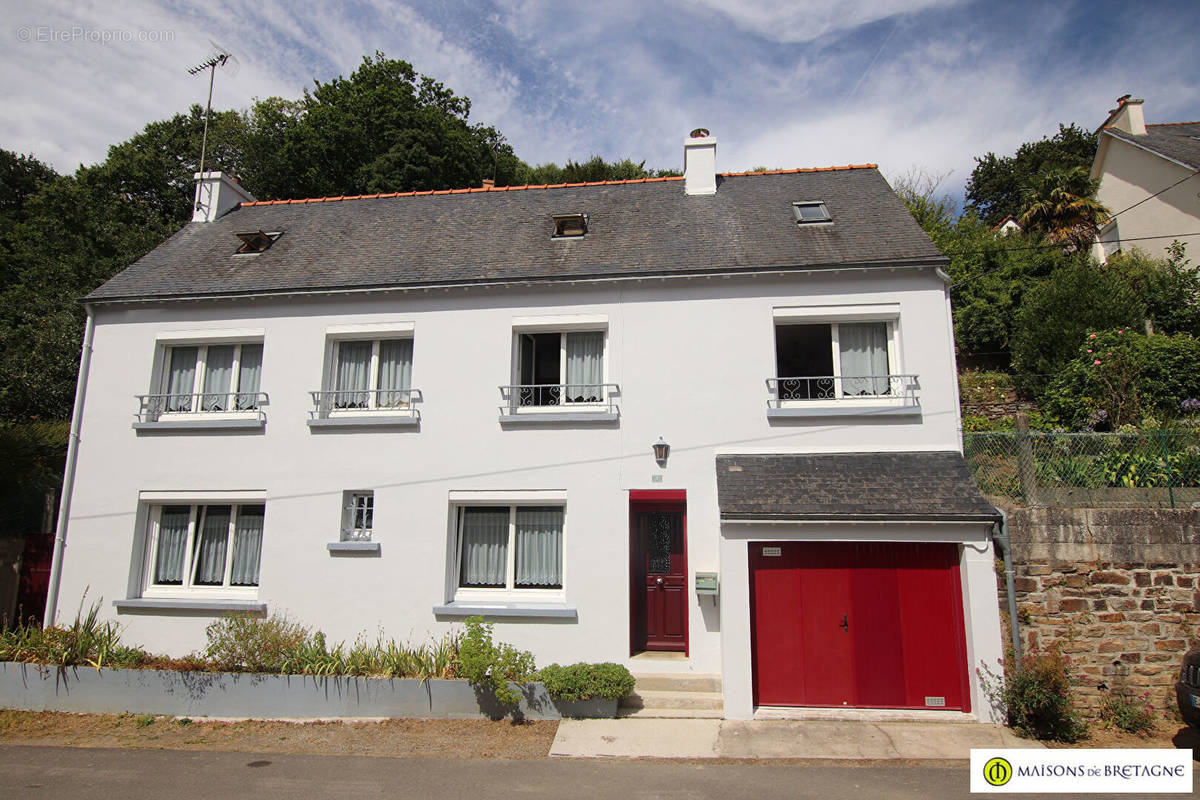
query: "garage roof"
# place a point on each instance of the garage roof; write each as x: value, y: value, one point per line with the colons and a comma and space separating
x: 920, y: 486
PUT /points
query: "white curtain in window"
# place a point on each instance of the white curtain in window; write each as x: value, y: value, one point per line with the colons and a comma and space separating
x: 249, y: 376
x: 585, y: 366
x: 247, y: 546
x: 395, y: 372
x: 172, y: 544
x: 218, y: 369
x: 539, y: 547
x: 181, y: 378
x: 353, y: 374
x: 484, y: 547
x: 210, y: 549
x: 864, y: 358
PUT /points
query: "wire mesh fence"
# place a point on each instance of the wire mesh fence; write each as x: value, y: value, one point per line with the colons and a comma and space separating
x: 1153, y: 469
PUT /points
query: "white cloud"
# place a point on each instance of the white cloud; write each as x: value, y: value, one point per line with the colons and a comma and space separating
x: 809, y: 20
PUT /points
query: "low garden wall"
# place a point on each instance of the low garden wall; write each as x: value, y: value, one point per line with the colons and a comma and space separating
x: 1116, y: 589
x: 32, y: 687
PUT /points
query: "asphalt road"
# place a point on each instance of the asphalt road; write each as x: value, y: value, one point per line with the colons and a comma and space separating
x: 63, y: 772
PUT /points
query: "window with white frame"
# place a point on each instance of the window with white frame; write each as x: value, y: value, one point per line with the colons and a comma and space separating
x: 204, y: 548
x: 831, y: 360
x: 371, y: 374
x: 559, y: 368
x: 358, y: 516
x: 211, y: 377
x: 509, y: 549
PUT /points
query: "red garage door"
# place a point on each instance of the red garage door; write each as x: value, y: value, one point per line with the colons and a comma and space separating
x: 873, y: 625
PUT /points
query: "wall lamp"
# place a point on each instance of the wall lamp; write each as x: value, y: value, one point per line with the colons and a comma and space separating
x: 661, y: 451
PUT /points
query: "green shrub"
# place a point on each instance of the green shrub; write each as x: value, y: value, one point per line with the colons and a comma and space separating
x: 85, y: 642
x: 581, y: 681
x: 1131, y: 714
x: 1036, y: 695
x: 244, y: 643
x: 491, y: 665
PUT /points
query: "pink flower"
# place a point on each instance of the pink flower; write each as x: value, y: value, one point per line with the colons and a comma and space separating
x: 1089, y: 350
x: 1120, y: 331
x: 1110, y: 352
x: 1096, y: 362
x: 1091, y: 336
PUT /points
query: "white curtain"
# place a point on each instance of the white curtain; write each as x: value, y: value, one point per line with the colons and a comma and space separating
x: 210, y: 547
x: 353, y: 374
x: 181, y: 378
x: 585, y: 367
x: 539, y: 547
x: 863, y: 347
x: 395, y: 372
x: 172, y: 544
x: 484, y: 547
x: 247, y: 546
x: 218, y: 369
x: 249, y: 376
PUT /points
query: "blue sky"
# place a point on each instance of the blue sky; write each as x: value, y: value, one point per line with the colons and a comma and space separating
x: 908, y: 84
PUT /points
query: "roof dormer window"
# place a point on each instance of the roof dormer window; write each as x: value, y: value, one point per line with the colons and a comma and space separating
x: 809, y: 211
x: 257, y: 241
x: 569, y: 226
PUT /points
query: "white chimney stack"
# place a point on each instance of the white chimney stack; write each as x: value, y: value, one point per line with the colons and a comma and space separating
x: 1127, y: 116
x: 700, y: 163
x: 216, y: 193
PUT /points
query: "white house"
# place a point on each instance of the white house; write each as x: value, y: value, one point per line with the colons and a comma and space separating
x: 1149, y: 180
x: 700, y: 426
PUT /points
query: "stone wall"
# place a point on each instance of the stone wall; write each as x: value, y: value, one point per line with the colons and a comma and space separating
x: 1117, y: 589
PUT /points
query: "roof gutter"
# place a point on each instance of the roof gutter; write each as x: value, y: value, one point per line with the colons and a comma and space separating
x: 1002, y: 540
x: 923, y: 263
x: 68, y: 487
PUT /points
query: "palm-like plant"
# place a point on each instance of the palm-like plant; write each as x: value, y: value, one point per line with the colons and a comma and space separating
x: 1061, y: 204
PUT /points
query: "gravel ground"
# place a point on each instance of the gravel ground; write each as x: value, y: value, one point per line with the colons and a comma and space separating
x: 408, y: 738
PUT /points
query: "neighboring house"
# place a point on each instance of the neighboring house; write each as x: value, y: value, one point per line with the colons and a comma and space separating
x: 1007, y: 227
x: 1149, y: 180
x: 702, y: 425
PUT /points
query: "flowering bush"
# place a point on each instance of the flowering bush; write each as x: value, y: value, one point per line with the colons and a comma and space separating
x: 1036, y: 696
x: 1120, y: 709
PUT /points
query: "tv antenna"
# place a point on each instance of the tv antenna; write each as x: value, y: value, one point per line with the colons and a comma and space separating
x: 219, y: 58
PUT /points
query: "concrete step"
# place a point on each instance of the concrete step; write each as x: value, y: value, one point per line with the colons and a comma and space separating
x: 669, y: 713
x: 682, y: 682
x: 658, y: 699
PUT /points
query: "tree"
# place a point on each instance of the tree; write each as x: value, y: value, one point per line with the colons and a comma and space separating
x: 594, y: 169
x: 998, y: 184
x: 1060, y: 205
x: 1170, y: 288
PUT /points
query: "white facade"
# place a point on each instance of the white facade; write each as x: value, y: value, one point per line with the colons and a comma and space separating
x: 690, y: 357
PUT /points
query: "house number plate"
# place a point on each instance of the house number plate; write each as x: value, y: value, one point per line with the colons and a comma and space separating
x: 772, y: 551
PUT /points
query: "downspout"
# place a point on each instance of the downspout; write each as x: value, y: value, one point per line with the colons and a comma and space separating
x: 64, y: 503
x: 1001, y: 538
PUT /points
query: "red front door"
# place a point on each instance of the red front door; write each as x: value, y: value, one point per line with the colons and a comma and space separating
x: 876, y: 625
x: 659, y: 579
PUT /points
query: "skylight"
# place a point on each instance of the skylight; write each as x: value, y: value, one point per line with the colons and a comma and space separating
x: 568, y: 226
x: 809, y: 211
x: 257, y: 241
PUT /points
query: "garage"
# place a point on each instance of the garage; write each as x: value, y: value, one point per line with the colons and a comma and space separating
x: 861, y: 624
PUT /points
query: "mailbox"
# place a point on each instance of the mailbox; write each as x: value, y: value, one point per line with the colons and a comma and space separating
x: 706, y: 583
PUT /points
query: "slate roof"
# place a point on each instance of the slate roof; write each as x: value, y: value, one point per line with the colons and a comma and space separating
x: 635, y: 228
x: 910, y: 486
x: 1179, y: 141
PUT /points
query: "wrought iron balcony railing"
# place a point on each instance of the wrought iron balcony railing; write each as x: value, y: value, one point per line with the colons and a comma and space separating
x: 532, y: 397
x: 389, y: 401
x: 154, y: 406
x: 842, y: 389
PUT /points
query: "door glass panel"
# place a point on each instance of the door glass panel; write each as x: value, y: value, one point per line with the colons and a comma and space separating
x: 658, y: 544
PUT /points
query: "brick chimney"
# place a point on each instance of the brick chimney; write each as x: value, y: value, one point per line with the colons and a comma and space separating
x: 1127, y: 116
x: 489, y: 183
x: 700, y: 163
x: 217, y: 193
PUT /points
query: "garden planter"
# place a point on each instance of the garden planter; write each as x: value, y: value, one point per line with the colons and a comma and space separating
x: 32, y: 687
x: 592, y: 708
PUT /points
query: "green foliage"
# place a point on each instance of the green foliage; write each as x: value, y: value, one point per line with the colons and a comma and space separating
x: 85, y: 642
x: 1059, y: 312
x: 32, y: 463
x: 1120, y: 709
x: 1037, y: 696
x: 594, y: 169
x: 584, y: 681
x: 1171, y: 289
x: 1060, y: 204
x: 143, y: 721
x: 491, y: 665
x: 1119, y: 377
x: 244, y: 643
x: 998, y: 185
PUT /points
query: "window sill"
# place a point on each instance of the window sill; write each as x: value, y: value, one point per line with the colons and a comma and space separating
x: 202, y: 423
x: 847, y: 408
x: 407, y: 419
x: 512, y: 610
x: 354, y: 547
x: 554, y: 417
x: 173, y: 604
